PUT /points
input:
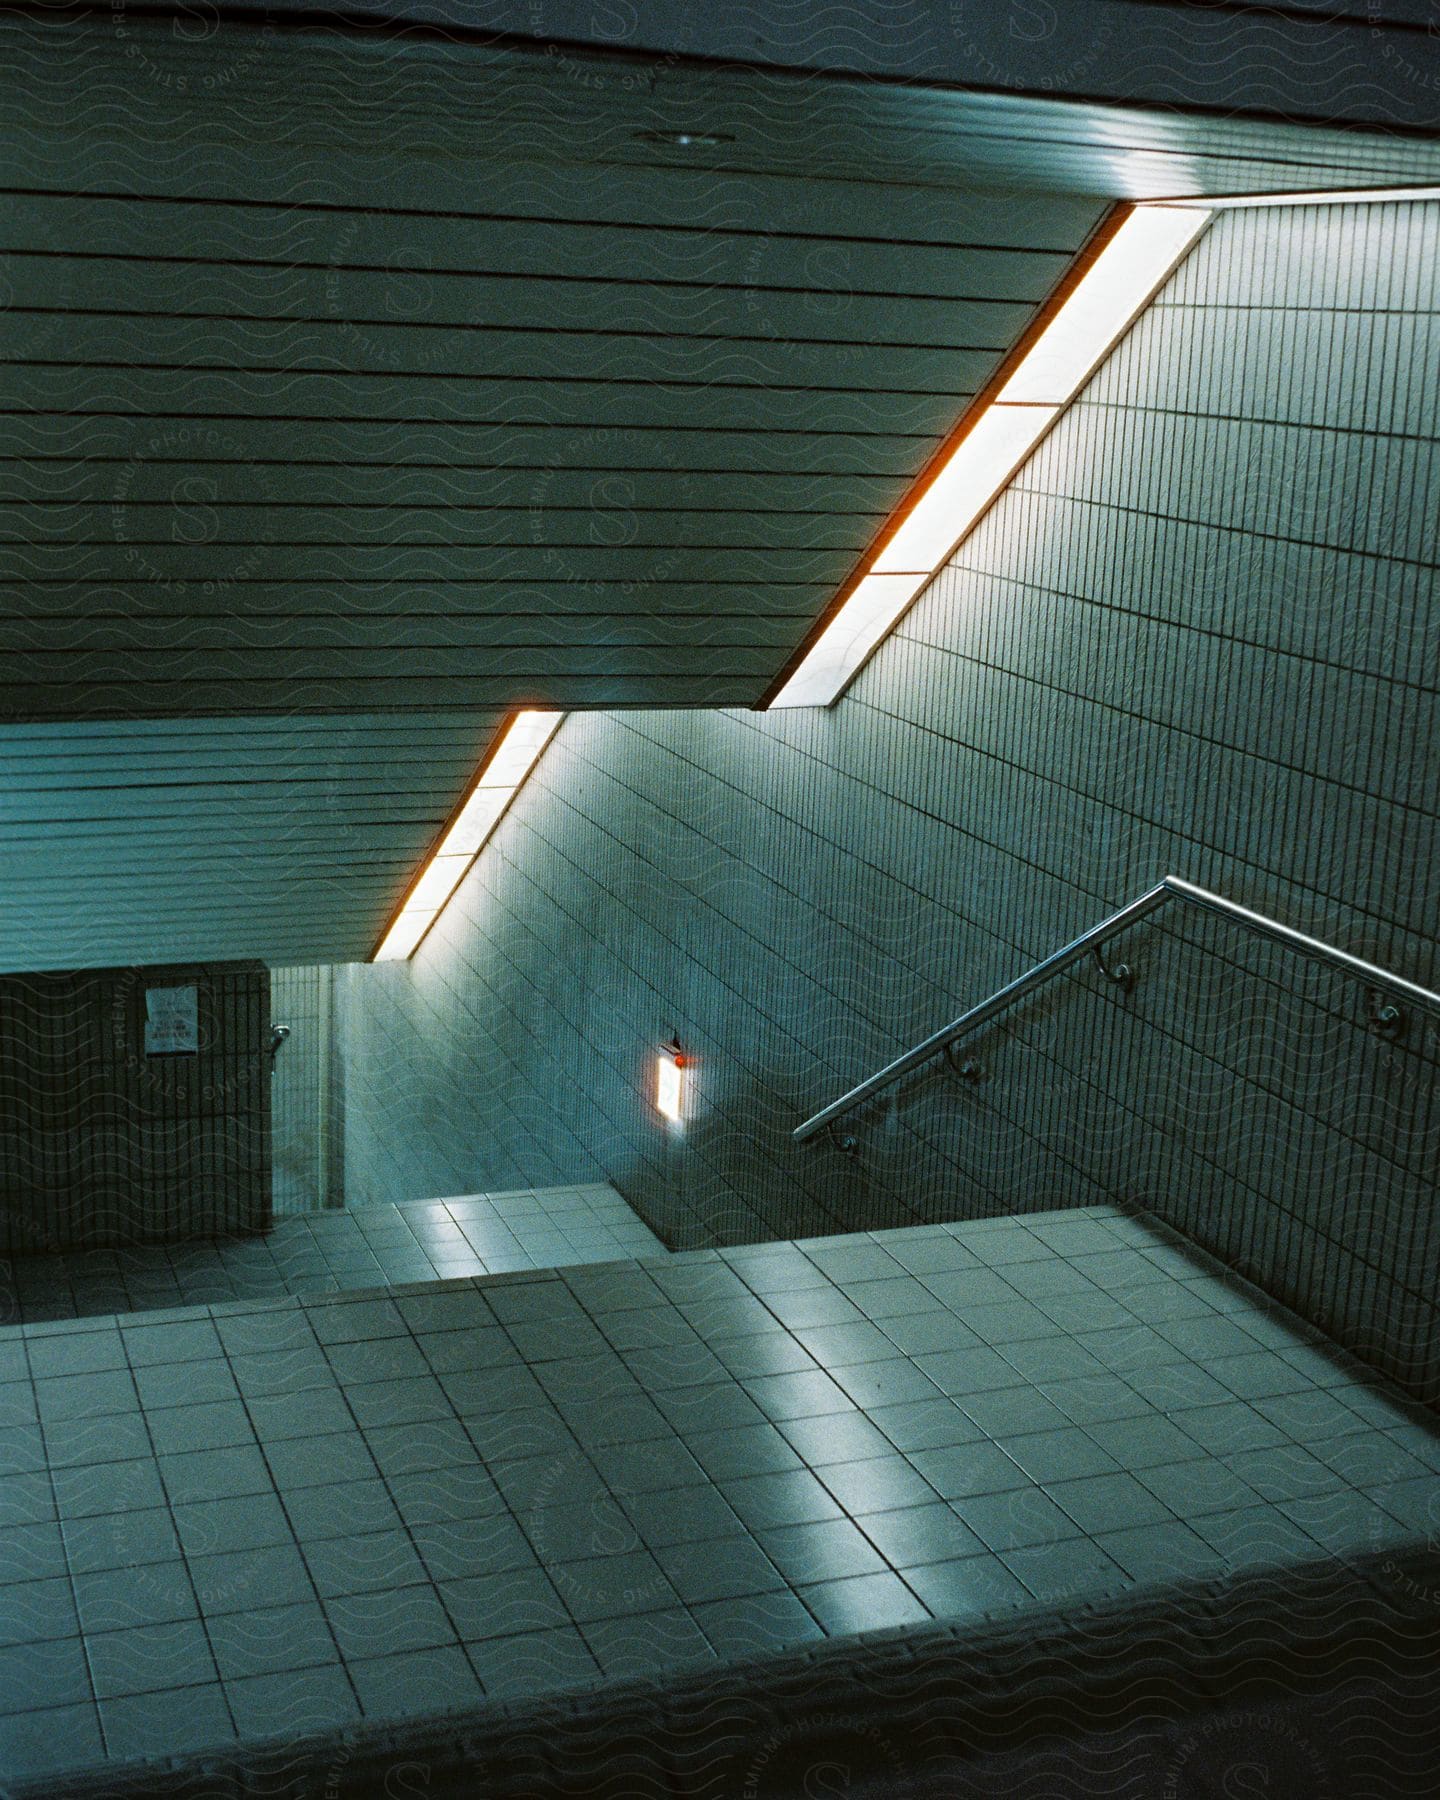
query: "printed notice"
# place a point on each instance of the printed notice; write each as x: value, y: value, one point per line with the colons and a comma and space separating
x: 171, y: 1021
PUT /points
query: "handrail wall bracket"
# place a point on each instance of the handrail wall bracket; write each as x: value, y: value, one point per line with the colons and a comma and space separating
x: 1386, y: 1016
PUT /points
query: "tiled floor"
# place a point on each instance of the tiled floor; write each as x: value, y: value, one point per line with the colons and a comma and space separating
x: 263, y: 1519
x: 330, y: 1252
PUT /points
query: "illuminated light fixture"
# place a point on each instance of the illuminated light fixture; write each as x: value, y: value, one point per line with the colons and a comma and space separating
x: 670, y: 1065
x: 985, y: 460
x: 500, y: 777
x: 1339, y: 197
x: 685, y: 140
x: 1032, y: 390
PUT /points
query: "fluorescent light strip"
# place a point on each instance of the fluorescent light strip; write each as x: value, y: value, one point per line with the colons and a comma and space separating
x: 1085, y: 327
x: 1339, y: 197
x: 493, y: 790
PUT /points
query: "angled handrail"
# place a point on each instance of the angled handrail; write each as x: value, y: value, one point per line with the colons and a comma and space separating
x: 1170, y: 887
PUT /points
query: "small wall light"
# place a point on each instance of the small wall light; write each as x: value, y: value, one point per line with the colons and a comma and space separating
x: 670, y: 1067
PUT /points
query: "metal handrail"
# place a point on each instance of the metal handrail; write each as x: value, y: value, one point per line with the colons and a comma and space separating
x: 1171, y: 887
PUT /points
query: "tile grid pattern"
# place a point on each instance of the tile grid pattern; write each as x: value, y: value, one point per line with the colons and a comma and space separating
x: 331, y: 1252
x: 1198, y: 633
x: 267, y: 1519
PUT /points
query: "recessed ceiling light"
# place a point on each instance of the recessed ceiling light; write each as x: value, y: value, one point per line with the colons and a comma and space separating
x: 511, y: 759
x: 686, y: 140
x: 995, y: 439
x: 1317, y: 197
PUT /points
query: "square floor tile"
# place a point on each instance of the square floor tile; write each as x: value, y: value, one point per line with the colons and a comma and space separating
x: 147, y: 1658
x: 643, y: 1644
x: 38, y: 1675
x: 1231, y: 1426
x: 1070, y: 1569
x: 964, y: 1469
x: 747, y: 1450
x: 720, y: 1569
x: 879, y: 1485
x: 94, y: 1488
x: 756, y: 1624
x: 1257, y: 1537
x: 22, y: 1449
x: 960, y: 1373
x: 685, y: 1514
x: 864, y: 1603
x: 292, y: 1704
x: 927, y: 1333
x: 836, y: 1438
x: 48, y: 1739
x: 117, y: 1598
x: 190, y: 1383
x: 33, y: 1612
x: 502, y: 1604
x: 919, y: 1534
x: 452, y: 1549
x: 214, y: 1425
x: 1371, y: 1459
x: 422, y: 1681
x: 242, y: 1580
x: 656, y: 1466
x: 340, y: 1509
x: 533, y: 1662
x: 829, y: 1550
x: 26, y: 1498
x: 366, y: 1563
x: 1145, y: 1442
x: 168, y: 1722
x: 790, y: 1497
x: 390, y: 1622
x: 121, y: 1539
x: 604, y: 1587
x: 1108, y: 1502
x: 118, y: 1437
x: 936, y: 1424
x: 1284, y: 1472
x: 77, y: 1353
x: 968, y: 1588
x: 320, y: 1462
x: 250, y: 1522
x: 219, y: 1474
x: 1051, y: 1456
x: 32, y: 1552
x: 271, y: 1639
x: 309, y: 1414
x: 1193, y: 1488
x: 266, y: 1375
x: 86, y: 1396
x: 1160, y: 1552
x: 1017, y: 1519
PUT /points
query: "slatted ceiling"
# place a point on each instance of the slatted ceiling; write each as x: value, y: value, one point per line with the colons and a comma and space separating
x: 474, y: 358
x: 577, y: 515
x: 352, y: 403
x: 441, y: 449
x: 155, y: 837
x: 59, y: 286
x: 326, y: 95
x: 291, y: 523
x: 154, y: 559
x: 420, y: 613
x: 94, y: 481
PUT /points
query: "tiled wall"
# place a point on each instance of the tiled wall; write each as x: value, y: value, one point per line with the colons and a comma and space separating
x: 305, y: 1099
x: 104, y: 1145
x: 1198, y: 634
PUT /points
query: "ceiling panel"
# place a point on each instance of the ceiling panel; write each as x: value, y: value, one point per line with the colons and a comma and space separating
x: 356, y: 390
x: 279, y: 838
